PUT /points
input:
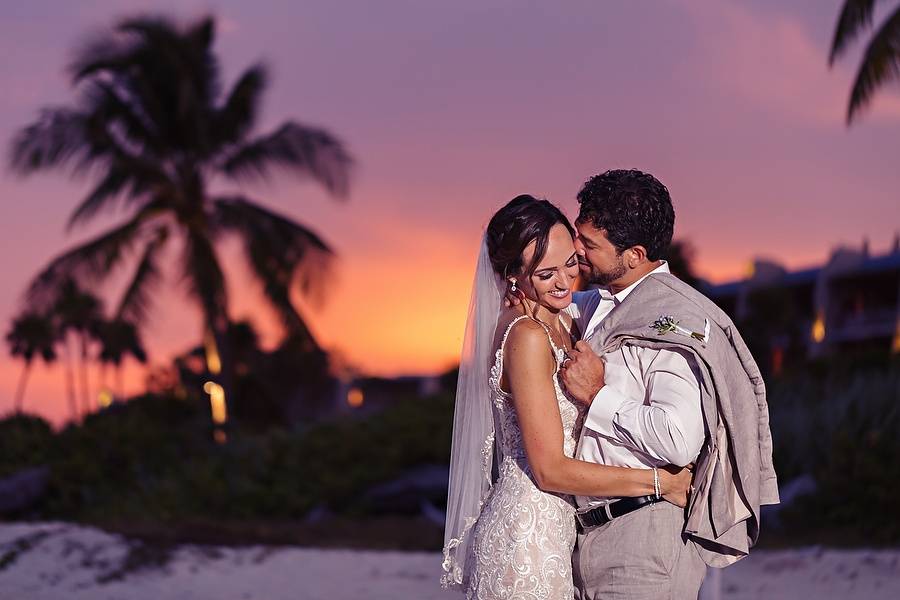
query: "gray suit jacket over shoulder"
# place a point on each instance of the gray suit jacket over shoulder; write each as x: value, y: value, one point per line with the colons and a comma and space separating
x: 734, y: 474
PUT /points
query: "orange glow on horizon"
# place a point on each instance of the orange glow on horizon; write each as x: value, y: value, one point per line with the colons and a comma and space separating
x: 388, y: 315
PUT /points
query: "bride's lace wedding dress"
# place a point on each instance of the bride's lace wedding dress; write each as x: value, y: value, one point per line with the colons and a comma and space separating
x: 524, y: 537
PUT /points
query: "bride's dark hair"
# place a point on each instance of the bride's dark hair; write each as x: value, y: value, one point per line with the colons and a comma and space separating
x: 523, y: 220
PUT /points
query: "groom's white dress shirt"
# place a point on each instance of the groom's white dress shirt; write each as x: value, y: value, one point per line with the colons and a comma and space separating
x: 648, y: 412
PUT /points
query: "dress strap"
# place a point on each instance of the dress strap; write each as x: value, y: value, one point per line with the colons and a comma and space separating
x: 500, y: 351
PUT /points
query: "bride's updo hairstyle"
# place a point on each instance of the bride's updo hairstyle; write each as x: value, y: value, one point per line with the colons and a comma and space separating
x: 523, y: 220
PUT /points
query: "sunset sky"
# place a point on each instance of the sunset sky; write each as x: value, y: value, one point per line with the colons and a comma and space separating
x: 451, y: 109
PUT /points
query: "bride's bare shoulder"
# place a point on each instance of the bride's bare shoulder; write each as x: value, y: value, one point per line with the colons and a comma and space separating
x: 506, y: 318
x: 527, y: 343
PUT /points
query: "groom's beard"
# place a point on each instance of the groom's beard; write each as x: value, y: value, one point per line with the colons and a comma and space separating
x: 604, y: 278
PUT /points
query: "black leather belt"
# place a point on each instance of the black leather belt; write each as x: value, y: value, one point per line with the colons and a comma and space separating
x: 606, y: 513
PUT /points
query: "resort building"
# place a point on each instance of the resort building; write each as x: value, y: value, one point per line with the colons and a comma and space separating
x: 850, y: 304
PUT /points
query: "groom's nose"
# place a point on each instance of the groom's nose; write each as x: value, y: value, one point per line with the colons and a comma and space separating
x: 579, y: 247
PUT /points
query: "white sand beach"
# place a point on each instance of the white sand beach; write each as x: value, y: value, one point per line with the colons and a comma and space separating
x: 60, y: 561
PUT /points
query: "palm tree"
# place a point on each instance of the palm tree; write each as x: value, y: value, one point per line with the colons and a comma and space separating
x: 119, y: 338
x: 78, y: 313
x: 881, y: 61
x: 31, y: 335
x: 152, y: 122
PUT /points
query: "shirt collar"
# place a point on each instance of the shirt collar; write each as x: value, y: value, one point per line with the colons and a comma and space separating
x: 620, y: 296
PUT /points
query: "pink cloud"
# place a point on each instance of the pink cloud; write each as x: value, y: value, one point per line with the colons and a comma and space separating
x: 771, y: 60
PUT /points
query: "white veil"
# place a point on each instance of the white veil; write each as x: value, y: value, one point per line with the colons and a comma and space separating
x: 472, y: 452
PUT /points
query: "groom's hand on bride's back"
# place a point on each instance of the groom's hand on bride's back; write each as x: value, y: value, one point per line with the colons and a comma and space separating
x: 677, y: 483
x: 583, y: 373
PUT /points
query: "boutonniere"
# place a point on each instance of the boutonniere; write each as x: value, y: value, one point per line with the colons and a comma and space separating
x: 669, y: 324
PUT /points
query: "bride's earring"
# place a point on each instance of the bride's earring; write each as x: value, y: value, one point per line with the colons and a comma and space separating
x: 513, y: 287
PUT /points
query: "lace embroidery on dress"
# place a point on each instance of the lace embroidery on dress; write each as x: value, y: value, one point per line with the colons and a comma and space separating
x: 453, y: 575
x: 523, y: 536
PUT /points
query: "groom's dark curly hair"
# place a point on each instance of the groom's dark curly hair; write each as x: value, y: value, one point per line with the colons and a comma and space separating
x: 633, y: 207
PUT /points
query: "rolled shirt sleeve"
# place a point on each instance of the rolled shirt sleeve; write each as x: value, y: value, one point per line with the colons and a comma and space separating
x: 667, y: 423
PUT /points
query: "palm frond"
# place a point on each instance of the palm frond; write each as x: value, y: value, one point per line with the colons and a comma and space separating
x: 54, y: 139
x: 184, y: 63
x: 880, y: 64
x: 119, y: 337
x: 118, y: 104
x: 305, y: 151
x: 76, y: 309
x: 856, y: 15
x: 238, y: 114
x: 98, y: 53
x: 169, y: 70
x: 131, y: 177
x: 281, y: 253
x: 91, y: 261
x: 101, y: 198
x: 136, y: 301
x: 32, y: 333
x: 200, y: 37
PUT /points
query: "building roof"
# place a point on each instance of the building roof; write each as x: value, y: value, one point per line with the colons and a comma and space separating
x: 871, y: 264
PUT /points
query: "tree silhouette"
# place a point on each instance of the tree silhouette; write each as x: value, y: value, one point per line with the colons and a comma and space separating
x: 119, y: 338
x: 881, y: 61
x: 31, y: 335
x: 77, y: 315
x: 153, y: 126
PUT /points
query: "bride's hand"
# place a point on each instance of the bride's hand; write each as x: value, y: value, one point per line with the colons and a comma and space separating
x: 675, y: 483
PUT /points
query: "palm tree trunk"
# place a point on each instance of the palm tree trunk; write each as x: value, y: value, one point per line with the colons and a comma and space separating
x: 120, y: 387
x: 101, y: 378
x: 20, y: 389
x: 82, y: 371
x: 70, y: 379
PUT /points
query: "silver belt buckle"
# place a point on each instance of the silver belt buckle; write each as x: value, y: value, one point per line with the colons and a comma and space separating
x: 585, y: 526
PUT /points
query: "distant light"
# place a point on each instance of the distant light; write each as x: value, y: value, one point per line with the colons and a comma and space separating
x: 220, y: 436
x: 818, y: 328
x: 777, y: 360
x: 895, y: 346
x: 105, y: 398
x: 355, y: 397
x: 213, y: 361
x: 216, y: 401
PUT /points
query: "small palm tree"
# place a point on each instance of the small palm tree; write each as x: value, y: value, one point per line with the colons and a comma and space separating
x: 31, y: 335
x: 151, y: 121
x: 881, y: 61
x: 118, y: 339
x: 78, y: 314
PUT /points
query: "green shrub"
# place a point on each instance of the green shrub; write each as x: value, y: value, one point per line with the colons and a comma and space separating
x: 844, y: 429
x: 25, y: 441
x: 153, y: 458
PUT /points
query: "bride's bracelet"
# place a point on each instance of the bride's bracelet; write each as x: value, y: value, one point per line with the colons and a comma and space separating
x: 656, y: 482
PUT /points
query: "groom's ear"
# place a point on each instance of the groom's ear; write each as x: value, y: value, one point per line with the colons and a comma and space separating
x: 636, y: 256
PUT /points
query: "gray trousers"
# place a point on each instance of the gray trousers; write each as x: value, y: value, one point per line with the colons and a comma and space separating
x: 638, y: 556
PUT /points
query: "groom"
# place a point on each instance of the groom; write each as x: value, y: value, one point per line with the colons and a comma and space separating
x: 676, y: 385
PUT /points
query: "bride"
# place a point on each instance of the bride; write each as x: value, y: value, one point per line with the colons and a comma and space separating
x: 514, y: 538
